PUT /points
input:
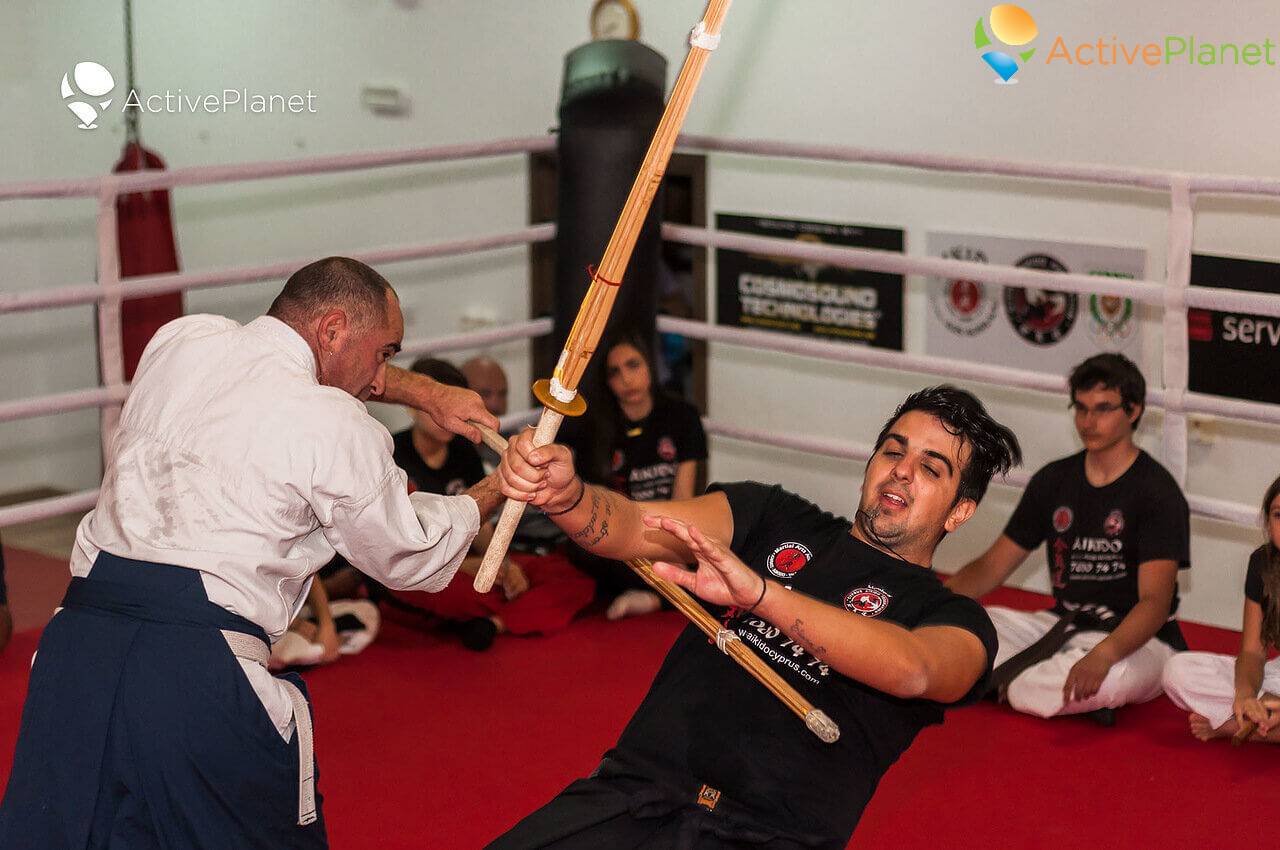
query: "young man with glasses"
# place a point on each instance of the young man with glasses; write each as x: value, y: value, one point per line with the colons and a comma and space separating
x: 1116, y: 529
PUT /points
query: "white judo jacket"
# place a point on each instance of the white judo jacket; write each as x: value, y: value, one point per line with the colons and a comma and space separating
x: 233, y: 460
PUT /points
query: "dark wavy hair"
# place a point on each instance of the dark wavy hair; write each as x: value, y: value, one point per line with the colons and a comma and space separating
x: 1271, y: 575
x: 605, y: 419
x: 993, y: 448
x: 1112, y: 372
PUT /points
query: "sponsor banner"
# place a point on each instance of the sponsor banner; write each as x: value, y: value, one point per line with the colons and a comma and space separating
x: 1234, y: 354
x: 1038, y: 329
x: 811, y: 299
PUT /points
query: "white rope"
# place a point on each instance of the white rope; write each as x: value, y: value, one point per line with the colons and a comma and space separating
x: 45, y: 508
x: 137, y: 287
x: 724, y: 637
x: 478, y: 339
x: 1173, y: 429
x: 702, y: 39
x: 28, y: 408
x: 144, y: 181
x: 892, y: 262
x: 879, y: 358
x: 1139, y: 178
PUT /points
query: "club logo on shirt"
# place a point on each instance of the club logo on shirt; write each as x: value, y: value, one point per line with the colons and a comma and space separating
x: 666, y: 449
x: 787, y: 559
x: 618, y: 459
x: 1114, y: 523
x: 1062, y: 518
x: 868, y: 601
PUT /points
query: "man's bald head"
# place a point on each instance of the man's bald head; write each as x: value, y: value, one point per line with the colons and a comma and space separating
x: 485, y: 376
x: 333, y: 283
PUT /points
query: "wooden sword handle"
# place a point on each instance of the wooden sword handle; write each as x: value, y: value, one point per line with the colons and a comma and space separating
x: 548, y: 425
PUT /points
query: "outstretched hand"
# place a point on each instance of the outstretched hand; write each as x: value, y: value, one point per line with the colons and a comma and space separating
x: 720, y: 578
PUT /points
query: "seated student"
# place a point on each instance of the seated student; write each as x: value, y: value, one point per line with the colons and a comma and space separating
x: 641, y: 442
x: 6, y: 619
x: 1224, y: 694
x: 326, y: 628
x: 539, y: 594
x: 1117, y: 529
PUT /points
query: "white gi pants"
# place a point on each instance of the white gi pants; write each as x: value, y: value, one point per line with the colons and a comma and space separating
x: 1038, y: 690
x: 1205, y: 682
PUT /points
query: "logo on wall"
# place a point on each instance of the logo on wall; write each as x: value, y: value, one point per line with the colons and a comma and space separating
x: 82, y: 90
x: 788, y: 559
x: 1114, y: 523
x: 666, y: 449
x: 868, y: 601
x: 1062, y: 518
x: 1041, y: 316
x: 964, y: 307
x: 1010, y: 26
x: 1112, y: 319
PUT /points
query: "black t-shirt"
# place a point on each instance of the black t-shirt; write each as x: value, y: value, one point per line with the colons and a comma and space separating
x: 706, y: 721
x: 1097, y: 536
x: 647, y: 453
x: 1253, y: 585
x: 462, y: 467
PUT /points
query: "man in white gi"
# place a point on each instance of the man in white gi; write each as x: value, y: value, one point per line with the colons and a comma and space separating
x: 244, y: 460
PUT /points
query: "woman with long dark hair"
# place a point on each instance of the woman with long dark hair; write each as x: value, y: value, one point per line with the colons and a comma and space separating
x: 642, y: 442
x: 1222, y: 694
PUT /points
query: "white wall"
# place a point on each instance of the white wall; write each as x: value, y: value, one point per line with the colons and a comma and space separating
x: 902, y: 76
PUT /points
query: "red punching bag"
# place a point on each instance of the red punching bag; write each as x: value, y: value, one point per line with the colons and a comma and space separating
x: 144, y: 226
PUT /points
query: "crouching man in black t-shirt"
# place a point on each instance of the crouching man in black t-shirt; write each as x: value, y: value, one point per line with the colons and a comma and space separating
x: 1117, y: 530
x: 849, y: 613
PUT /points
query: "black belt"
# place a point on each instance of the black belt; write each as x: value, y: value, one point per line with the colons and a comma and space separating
x: 702, y: 809
x: 1043, y: 648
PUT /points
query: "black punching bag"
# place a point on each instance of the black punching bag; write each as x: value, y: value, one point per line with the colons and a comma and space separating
x: 611, y: 101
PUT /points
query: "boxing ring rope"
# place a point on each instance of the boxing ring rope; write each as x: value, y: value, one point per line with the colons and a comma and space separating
x: 1173, y: 295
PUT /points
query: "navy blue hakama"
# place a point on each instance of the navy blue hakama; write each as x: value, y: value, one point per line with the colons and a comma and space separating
x: 141, y: 730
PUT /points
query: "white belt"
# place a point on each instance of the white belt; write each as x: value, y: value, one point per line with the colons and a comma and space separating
x: 251, y: 649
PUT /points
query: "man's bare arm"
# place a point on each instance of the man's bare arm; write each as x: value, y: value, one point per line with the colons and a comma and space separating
x: 450, y: 407
x: 940, y: 663
x: 488, y: 495
x: 987, y: 572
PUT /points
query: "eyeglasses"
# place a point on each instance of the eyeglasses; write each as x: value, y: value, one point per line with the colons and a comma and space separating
x: 1099, y: 409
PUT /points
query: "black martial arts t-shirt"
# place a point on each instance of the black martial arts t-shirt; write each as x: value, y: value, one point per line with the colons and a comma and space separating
x: 1254, y: 589
x: 705, y: 720
x: 462, y: 467
x: 647, y: 453
x: 1097, y: 536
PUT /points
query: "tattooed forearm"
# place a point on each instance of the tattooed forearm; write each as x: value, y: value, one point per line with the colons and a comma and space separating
x: 597, y: 527
x: 590, y: 527
x: 797, y: 632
